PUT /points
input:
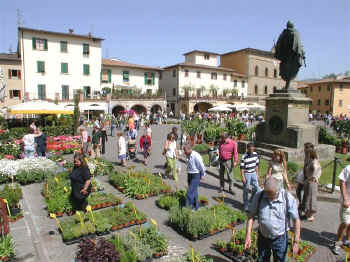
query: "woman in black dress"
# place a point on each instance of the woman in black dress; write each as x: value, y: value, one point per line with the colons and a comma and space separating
x: 80, y: 182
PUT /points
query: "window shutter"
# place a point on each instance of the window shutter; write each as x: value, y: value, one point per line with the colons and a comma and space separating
x: 109, y: 72
x: 145, y: 78
x: 152, y: 78
x: 19, y: 74
x: 34, y: 43
x: 10, y: 73
x: 101, y: 76
x: 45, y: 44
x: 44, y: 92
x: 38, y: 66
x: 19, y: 94
x: 11, y: 94
x: 62, y: 67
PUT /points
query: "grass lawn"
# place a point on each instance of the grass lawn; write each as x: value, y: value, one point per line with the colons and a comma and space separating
x: 327, y: 169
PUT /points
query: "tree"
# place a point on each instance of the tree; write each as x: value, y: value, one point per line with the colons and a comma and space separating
x: 76, y: 115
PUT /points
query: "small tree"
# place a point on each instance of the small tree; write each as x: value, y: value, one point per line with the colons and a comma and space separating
x: 76, y: 116
x: 203, y: 90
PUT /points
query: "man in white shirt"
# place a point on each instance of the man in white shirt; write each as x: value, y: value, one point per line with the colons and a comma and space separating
x: 344, y: 179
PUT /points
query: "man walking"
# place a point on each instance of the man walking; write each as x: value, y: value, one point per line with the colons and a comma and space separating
x: 195, y: 172
x: 273, y: 207
x: 249, y: 173
x: 228, y: 159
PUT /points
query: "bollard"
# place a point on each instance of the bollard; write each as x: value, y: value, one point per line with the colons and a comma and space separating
x: 334, y: 174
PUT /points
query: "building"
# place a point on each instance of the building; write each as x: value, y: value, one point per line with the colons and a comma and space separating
x: 55, y: 65
x: 10, y: 65
x: 132, y: 86
x: 261, y: 68
x: 199, y: 83
x: 328, y: 95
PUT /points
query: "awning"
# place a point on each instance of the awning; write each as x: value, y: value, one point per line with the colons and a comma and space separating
x: 39, y: 107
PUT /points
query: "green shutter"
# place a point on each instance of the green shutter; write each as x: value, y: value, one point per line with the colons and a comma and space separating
x: 38, y: 66
x: 45, y: 44
x: 145, y: 78
x: 34, y: 42
x: 152, y: 78
x: 101, y: 76
x: 86, y: 69
x: 85, y: 49
x: 109, y: 72
x: 62, y: 68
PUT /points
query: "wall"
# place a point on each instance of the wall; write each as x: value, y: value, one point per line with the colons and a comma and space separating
x: 11, y: 84
x: 52, y: 78
x: 313, y: 92
x: 169, y: 83
x: 136, y: 78
x: 198, y: 58
x: 237, y: 61
x: 343, y: 95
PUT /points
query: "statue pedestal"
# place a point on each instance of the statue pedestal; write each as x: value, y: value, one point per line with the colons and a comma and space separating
x: 287, y: 126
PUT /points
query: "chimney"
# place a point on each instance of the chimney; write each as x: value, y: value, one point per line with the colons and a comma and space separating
x: 89, y: 34
x: 71, y: 30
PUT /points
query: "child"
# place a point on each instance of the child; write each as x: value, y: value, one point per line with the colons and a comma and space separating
x: 121, y: 148
x: 146, y: 146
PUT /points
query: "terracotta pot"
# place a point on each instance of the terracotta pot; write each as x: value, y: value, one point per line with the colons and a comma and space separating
x: 222, y: 249
x: 139, y: 197
x: 344, y: 150
x: 59, y: 214
x: 138, y: 221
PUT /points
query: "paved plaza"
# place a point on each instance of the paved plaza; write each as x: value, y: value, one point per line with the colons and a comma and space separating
x: 37, y: 238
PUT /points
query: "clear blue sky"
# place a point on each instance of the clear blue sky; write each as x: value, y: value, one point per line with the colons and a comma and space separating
x: 158, y: 32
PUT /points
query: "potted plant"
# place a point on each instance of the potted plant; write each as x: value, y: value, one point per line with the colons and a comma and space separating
x: 221, y: 245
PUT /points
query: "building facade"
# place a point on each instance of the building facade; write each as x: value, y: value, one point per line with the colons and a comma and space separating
x: 10, y: 65
x: 261, y: 68
x: 199, y: 83
x: 56, y: 65
x: 329, y: 96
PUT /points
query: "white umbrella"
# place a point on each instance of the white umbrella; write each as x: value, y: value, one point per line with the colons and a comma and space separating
x: 39, y: 107
x: 241, y: 107
x: 220, y: 109
x: 255, y: 106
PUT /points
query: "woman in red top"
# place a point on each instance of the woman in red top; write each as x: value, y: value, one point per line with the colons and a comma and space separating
x: 146, y: 146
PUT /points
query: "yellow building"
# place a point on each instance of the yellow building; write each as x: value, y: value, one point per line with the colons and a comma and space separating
x: 328, y: 96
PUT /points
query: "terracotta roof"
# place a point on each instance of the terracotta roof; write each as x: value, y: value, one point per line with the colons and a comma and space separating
x: 201, y: 51
x: 324, y: 81
x: 253, y: 51
x: 219, y: 68
x: 10, y: 57
x: 60, y: 33
x: 119, y: 63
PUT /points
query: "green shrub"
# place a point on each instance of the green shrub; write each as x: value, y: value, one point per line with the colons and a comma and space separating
x: 326, y: 138
x: 292, y: 167
x: 201, y: 148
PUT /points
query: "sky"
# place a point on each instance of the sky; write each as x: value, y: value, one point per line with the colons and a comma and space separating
x: 159, y: 32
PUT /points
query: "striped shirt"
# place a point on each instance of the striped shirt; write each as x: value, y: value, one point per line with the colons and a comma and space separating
x: 250, y: 162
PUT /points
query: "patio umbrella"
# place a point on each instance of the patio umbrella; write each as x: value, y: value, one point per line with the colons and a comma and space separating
x: 255, y: 106
x: 220, y: 109
x: 241, y: 107
x: 39, y: 107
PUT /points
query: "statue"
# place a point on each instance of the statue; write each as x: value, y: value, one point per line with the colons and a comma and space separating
x: 290, y: 52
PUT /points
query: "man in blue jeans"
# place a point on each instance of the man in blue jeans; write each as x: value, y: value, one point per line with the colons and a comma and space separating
x: 195, y: 172
x: 273, y: 208
x: 250, y: 173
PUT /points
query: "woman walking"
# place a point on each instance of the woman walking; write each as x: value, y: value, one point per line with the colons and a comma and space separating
x: 121, y: 148
x: 145, y: 146
x: 312, y: 173
x: 278, y: 168
x: 171, y: 154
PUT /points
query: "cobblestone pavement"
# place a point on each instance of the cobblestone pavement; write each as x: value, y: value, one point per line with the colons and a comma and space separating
x: 35, y: 227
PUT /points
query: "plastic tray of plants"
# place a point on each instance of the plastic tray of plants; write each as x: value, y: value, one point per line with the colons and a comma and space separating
x: 177, y: 198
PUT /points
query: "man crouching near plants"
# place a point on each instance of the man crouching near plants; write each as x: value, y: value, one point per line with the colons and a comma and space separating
x: 273, y: 208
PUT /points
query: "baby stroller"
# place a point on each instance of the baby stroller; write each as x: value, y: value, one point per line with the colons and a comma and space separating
x: 131, y: 154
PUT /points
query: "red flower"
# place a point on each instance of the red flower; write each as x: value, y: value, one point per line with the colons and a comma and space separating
x: 9, y: 157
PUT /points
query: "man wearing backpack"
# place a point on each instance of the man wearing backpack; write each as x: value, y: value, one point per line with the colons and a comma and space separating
x: 273, y: 208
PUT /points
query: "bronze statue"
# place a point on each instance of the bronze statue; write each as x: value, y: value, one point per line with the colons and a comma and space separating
x: 290, y: 52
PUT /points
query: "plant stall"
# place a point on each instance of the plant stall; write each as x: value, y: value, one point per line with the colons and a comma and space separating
x: 12, y: 193
x: 177, y: 198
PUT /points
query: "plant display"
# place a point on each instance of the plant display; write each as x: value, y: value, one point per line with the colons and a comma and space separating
x: 102, y: 250
x: 7, y: 248
x: 139, y: 184
x: 205, y: 222
x: 63, y: 144
x: 177, y: 198
x: 193, y: 256
x: 26, y: 171
x: 10, y: 150
x: 12, y: 194
x: 99, y: 166
x: 201, y: 148
x: 236, y: 128
x: 234, y: 249
x: 100, y: 222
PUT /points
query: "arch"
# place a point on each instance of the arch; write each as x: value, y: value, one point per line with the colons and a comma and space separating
x: 256, y: 70
x: 117, y: 109
x: 202, y: 107
x: 140, y: 109
x: 156, y: 108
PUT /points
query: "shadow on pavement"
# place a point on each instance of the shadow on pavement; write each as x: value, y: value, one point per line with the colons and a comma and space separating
x: 322, y: 239
x: 229, y: 201
x: 208, y: 186
x: 216, y: 258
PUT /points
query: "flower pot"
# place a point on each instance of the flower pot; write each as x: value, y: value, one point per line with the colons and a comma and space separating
x: 139, y: 197
x: 59, y: 214
x: 138, y: 222
x: 344, y: 150
x: 222, y: 249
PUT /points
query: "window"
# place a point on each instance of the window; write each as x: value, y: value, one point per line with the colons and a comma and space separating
x: 174, y: 91
x: 86, y: 69
x: 186, y: 72
x: 243, y: 83
x: 311, y: 89
x: 265, y: 90
x: 225, y: 76
x: 125, y: 76
x: 63, y: 45
x: 160, y: 75
x: 106, y: 76
x: 39, y: 44
x: 149, y: 78
x: 327, y: 102
x: 319, y: 89
x: 256, y: 89
x: 319, y: 102
x: 329, y: 88
x: 198, y: 93
x: 198, y: 74
x: 305, y: 91
x: 340, y: 103
x: 206, y: 57
x: 86, y: 49
x: 266, y: 72
x: 65, y: 92
x: 174, y: 73
x: 41, y: 92
x: 149, y: 92
x: 341, y: 87
x: 256, y: 70
x: 40, y: 66
x: 87, y: 92
x: 275, y: 73
x: 15, y: 94
x: 235, y: 83
x: 64, y: 68
x: 214, y: 76
x: 274, y: 89
x: 14, y: 73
